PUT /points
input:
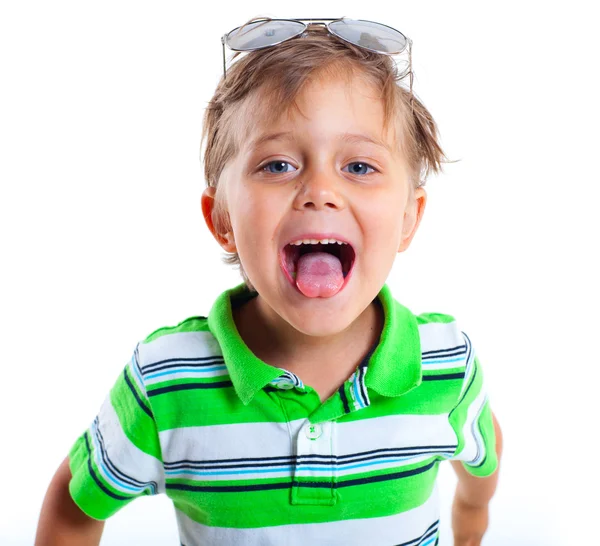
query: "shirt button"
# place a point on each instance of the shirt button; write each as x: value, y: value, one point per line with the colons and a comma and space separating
x: 313, y: 431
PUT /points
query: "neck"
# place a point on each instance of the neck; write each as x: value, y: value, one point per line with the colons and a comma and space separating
x: 322, y: 362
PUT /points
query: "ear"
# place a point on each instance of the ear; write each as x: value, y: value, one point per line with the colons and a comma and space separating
x: 412, y: 217
x: 226, y: 240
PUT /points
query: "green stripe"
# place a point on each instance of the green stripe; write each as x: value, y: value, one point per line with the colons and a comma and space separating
x: 486, y: 427
x: 189, y: 381
x: 138, y: 426
x: 458, y: 415
x: 221, y: 406
x: 427, y: 318
x: 239, y: 509
x: 445, y: 371
x: 192, y: 324
x: 434, y: 397
x: 89, y: 489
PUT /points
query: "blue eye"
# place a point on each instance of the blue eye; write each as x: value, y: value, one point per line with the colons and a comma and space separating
x: 279, y: 164
x: 362, y: 164
x: 282, y: 163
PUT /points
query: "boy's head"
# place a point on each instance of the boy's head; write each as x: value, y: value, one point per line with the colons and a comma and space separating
x: 262, y: 196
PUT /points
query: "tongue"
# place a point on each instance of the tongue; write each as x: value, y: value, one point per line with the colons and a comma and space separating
x: 319, y: 275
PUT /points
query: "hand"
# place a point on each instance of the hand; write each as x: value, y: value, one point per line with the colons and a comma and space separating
x: 469, y: 522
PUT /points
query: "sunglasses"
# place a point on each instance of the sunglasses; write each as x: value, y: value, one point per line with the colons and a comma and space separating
x: 369, y: 35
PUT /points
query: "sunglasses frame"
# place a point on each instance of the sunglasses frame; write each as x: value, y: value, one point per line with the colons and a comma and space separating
x: 225, y: 41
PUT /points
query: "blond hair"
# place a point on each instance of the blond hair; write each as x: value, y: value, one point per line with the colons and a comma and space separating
x: 276, y: 75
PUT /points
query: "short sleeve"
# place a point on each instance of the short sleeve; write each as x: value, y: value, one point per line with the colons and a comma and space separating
x: 118, y: 457
x: 471, y: 419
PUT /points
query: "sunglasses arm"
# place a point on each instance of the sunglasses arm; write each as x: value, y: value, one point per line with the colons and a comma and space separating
x: 410, y: 64
x: 224, y: 69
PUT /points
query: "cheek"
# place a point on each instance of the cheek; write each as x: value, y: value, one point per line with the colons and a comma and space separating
x: 385, y: 215
x: 255, y: 219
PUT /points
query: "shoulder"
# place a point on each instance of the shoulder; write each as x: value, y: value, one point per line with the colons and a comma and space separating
x: 191, y: 324
x: 439, y: 331
x: 189, y: 339
x: 446, y: 351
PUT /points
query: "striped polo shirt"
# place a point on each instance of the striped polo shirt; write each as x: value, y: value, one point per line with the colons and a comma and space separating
x: 249, y: 454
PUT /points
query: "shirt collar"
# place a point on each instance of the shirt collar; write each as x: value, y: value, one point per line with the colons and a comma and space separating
x: 394, y: 366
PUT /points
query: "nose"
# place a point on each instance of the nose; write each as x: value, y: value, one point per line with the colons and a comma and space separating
x: 319, y: 191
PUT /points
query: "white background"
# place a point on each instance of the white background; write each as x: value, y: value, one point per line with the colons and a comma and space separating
x: 103, y: 239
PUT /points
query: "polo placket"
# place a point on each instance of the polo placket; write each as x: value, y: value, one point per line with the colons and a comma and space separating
x: 313, y: 441
x: 314, y: 476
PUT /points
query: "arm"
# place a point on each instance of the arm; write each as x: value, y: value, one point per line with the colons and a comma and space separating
x: 62, y: 523
x: 470, y: 506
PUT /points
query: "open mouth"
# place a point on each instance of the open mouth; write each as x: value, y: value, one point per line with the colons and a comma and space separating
x: 291, y: 253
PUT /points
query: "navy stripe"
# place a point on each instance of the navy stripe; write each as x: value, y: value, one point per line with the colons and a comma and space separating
x: 469, y: 350
x: 455, y: 350
x: 96, y: 479
x: 296, y: 483
x: 446, y: 355
x: 187, y: 362
x: 344, y: 398
x: 136, y: 359
x: 182, y: 365
x: 361, y: 384
x: 486, y: 451
x: 293, y: 458
x: 124, y: 477
x: 227, y: 488
x: 136, y: 395
x: 383, y: 478
x: 442, y: 376
x: 466, y: 390
x: 189, y: 386
x: 299, y: 461
x: 430, y: 531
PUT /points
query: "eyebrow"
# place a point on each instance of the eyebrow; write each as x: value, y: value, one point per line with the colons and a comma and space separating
x: 349, y: 138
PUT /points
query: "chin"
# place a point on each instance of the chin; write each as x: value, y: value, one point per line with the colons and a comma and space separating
x: 312, y: 322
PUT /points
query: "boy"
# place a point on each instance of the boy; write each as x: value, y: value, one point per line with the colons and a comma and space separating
x: 309, y: 407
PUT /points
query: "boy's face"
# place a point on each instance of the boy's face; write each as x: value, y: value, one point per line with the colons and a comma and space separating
x: 315, y: 182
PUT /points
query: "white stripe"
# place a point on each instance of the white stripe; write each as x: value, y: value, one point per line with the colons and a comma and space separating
x: 127, y: 457
x: 437, y: 336
x: 470, y: 366
x: 394, y: 431
x: 242, y: 440
x: 134, y: 373
x: 441, y: 365
x: 179, y: 345
x: 248, y: 440
x: 186, y: 372
x: 306, y: 469
x: 395, y: 529
x: 474, y: 448
x: 258, y: 440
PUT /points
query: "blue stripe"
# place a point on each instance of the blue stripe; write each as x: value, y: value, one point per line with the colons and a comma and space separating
x: 96, y: 478
x: 356, y: 394
x: 443, y: 360
x: 136, y: 370
x: 108, y: 473
x: 140, y: 402
x: 300, y: 467
x: 181, y: 370
x: 113, y: 468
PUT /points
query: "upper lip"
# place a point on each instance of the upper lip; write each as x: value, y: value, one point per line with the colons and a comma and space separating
x: 318, y: 236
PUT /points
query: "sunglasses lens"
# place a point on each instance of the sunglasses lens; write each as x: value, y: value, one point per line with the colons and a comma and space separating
x: 262, y: 34
x: 373, y: 36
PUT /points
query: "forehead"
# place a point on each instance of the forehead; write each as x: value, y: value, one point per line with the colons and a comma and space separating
x: 348, y: 110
